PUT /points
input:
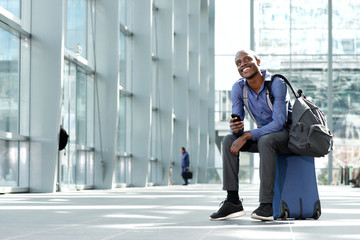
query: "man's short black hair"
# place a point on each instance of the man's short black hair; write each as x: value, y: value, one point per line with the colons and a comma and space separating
x: 249, y: 51
x: 183, y: 149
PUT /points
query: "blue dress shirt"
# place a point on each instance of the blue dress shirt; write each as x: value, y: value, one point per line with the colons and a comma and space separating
x: 269, y: 121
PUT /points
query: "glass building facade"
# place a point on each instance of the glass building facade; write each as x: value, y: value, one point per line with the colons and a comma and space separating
x: 76, y: 162
x: 115, y: 75
x: 14, y: 98
x: 316, y: 45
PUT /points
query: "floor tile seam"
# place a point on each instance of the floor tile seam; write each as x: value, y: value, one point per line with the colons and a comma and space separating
x: 208, y: 233
x: 117, y: 235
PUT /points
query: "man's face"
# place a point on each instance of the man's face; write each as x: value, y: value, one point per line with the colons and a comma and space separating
x: 247, y: 64
x: 181, y: 150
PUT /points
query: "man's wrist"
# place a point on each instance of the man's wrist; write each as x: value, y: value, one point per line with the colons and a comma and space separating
x: 247, y: 135
x: 238, y: 134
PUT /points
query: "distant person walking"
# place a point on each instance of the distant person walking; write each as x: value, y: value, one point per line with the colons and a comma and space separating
x: 185, y: 163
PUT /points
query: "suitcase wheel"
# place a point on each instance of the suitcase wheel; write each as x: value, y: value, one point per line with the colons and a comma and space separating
x: 285, y: 216
x: 285, y: 212
x: 317, y: 214
x: 317, y: 210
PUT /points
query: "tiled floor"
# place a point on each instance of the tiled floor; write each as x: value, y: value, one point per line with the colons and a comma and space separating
x: 174, y: 212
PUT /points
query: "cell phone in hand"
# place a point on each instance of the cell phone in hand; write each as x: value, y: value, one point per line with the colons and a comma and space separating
x: 237, y: 116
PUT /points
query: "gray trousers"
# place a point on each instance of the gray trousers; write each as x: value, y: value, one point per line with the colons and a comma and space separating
x: 267, y: 146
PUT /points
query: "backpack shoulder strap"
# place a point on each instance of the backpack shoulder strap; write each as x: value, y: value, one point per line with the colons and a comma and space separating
x: 246, y: 103
x: 297, y: 95
x: 269, y: 97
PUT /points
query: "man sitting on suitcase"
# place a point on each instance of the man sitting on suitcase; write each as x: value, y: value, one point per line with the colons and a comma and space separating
x: 268, y: 139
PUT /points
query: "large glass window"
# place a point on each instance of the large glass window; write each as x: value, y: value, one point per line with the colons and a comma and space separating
x: 76, y: 34
x: 9, y: 82
x: 292, y: 37
x: 297, y: 47
x: 14, y: 99
x: 346, y: 86
x: 222, y: 105
x: 12, y: 6
x: 346, y: 28
x: 309, y: 27
x: 77, y: 160
x: 9, y: 164
x: 78, y: 103
x: 81, y: 101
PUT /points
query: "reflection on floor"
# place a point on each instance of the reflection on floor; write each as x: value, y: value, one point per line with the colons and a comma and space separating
x: 174, y: 212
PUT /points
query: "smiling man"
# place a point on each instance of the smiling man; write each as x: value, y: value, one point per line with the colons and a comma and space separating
x: 268, y: 139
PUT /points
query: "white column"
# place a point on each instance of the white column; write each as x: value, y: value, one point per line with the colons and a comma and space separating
x: 204, y: 92
x: 196, y: 117
x: 141, y: 89
x: 165, y: 46
x: 107, y: 68
x: 47, y: 61
x: 211, y: 95
x: 181, y: 94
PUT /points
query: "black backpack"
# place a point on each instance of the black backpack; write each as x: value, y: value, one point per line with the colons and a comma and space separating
x: 63, y: 138
x: 308, y: 134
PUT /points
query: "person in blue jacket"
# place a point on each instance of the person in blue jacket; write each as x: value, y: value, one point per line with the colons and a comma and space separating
x: 185, y: 163
x: 271, y: 136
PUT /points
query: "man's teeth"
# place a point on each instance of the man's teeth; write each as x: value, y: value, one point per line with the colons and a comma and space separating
x: 246, y: 69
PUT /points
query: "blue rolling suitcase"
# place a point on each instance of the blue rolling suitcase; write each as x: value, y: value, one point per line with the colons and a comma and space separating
x: 295, y: 190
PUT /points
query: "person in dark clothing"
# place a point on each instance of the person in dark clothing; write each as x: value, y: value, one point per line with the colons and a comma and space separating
x: 185, y: 163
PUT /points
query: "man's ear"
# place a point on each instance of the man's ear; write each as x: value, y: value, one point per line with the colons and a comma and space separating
x: 258, y: 62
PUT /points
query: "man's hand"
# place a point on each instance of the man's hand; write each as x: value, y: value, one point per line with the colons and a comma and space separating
x: 239, y: 143
x: 236, y: 125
